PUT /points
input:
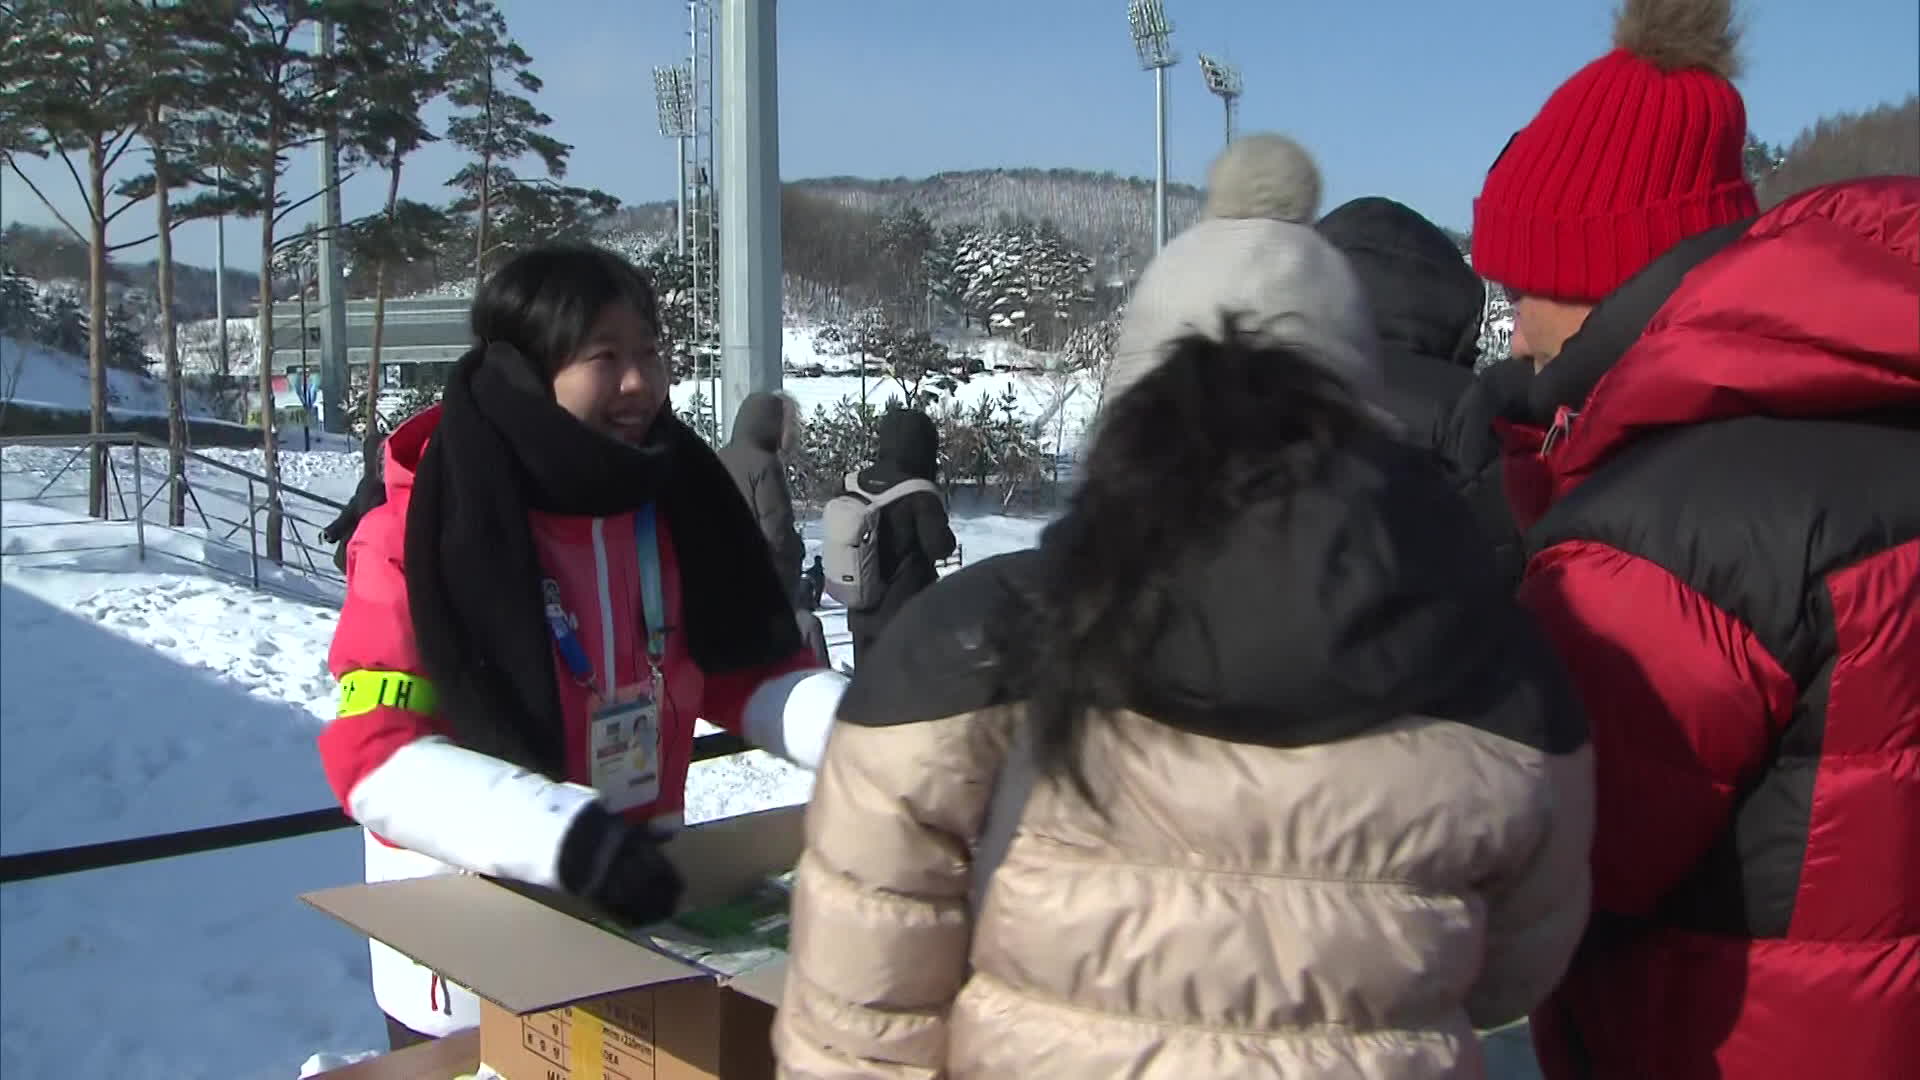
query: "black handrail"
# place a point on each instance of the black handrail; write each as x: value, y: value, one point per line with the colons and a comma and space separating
x: 72, y: 860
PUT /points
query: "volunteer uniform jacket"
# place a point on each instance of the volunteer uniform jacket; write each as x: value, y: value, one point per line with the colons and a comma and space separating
x: 1731, y: 569
x: 1353, y: 827
x: 395, y: 771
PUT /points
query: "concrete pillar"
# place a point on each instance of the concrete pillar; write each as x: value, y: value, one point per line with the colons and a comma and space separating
x: 333, y: 292
x: 747, y: 86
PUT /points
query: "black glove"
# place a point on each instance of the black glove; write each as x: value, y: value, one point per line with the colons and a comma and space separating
x: 619, y: 867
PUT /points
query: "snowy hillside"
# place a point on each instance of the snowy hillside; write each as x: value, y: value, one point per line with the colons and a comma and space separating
x: 820, y: 378
x: 32, y: 374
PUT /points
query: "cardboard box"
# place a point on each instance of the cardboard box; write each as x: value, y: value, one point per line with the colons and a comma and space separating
x: 564, y: 998
x: 441, y: 1059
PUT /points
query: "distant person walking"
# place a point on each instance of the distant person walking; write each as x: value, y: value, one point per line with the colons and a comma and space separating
x: 912, y: 532
x: 767, y: 427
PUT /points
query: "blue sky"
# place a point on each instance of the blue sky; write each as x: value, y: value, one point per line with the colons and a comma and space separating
x: 1406, y: 98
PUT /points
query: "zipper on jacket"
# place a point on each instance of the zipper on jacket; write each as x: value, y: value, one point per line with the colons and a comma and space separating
x: 1563, y: 418
x: 609, y: 677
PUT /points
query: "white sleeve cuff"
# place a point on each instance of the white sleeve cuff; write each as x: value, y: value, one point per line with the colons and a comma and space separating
x: 476, y: 812
x: 792, y: 715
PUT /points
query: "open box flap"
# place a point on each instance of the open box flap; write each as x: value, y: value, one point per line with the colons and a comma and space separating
x: 766, y: 983
x: 724, y: 859
x: 528, y: 949
x: 516, y: 952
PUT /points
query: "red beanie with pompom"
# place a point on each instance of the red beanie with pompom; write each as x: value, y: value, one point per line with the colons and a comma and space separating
x: 1641, y: 149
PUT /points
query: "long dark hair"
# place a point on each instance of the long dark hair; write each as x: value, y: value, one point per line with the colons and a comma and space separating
x: 544, y: 301
x: 1219, y: 427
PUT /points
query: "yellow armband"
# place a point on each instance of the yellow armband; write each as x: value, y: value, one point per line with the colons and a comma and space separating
x: 364, y: 691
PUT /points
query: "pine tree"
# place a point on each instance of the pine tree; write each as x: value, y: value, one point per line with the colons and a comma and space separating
x: 923, y: 367
x: 64, y: 93
x: 21, y: 315
x: 906, y: 238
x: 496, y: 124
x: 1760, y: 160
x: 280, y: 97
x: 67, y: 327
x: 126, y: 349
x: 414, y: 39
x: 175, y: 67
x: 944, y: 280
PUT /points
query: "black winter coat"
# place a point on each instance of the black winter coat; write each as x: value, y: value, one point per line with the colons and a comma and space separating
x: 914, y: 531
x: 1476, y: 455
x: 1428, y: 305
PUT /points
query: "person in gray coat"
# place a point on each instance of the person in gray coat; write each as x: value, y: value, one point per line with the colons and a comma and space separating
x: 766, y: 426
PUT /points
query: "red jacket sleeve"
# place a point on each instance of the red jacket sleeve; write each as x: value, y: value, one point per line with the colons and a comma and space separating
x: 1683, y: 702
x: 725, y: 702
x: 375, y: 634
x: 1525, y: 477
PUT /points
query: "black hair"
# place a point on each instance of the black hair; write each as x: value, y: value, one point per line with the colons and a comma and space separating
x: 1220, y: 426
x: 545, y: 300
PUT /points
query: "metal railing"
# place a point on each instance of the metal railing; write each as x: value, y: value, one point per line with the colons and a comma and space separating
x: 30, y: 865
x: 142, y: 473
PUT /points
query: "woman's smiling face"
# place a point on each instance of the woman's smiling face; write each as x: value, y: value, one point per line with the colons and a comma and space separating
x: 616, y: 381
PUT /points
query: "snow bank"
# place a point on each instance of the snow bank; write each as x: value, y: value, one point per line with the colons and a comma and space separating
x: 59, y: 380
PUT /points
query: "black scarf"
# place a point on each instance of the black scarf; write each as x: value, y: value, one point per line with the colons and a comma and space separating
x: 504, y: 447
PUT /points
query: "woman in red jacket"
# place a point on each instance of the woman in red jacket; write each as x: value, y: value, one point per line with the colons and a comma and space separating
x: 559, y: 582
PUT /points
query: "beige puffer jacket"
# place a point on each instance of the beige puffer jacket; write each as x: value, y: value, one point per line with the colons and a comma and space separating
x: 1280, y: 888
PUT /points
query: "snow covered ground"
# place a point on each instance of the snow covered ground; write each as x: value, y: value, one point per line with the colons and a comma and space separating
x: 144, y: 697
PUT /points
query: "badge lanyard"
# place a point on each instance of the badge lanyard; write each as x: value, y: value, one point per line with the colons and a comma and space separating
x: 653, y: 605
x: 653, y: 598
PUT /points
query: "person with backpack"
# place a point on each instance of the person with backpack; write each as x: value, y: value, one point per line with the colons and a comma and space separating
x: 557, y: 585
x: 1254, y: 768
x: 887, y: 530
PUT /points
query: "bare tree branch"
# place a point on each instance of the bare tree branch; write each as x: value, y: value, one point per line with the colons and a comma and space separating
x: 126, y: 139
x: 48, y: 203
x: 123, y: 208
x: 67, y: 160
x: 312, y: 233
x: 330, y: 187
x: 133, y: 243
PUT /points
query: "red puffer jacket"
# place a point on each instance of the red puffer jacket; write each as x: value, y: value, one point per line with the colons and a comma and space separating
x: 1731, y: 569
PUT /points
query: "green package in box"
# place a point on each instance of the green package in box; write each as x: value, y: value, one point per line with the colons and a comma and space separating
x: 759, y: 919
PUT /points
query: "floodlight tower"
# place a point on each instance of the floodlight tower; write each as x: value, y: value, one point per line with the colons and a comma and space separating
x: 1223, y: 80
x: 703, y: 242
x: 673, y: 93
x: 1152, y: 40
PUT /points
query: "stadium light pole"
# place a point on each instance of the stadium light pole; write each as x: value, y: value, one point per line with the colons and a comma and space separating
x: 1223, y: 80
x: 1152, y: 40
x: 673, y: 93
